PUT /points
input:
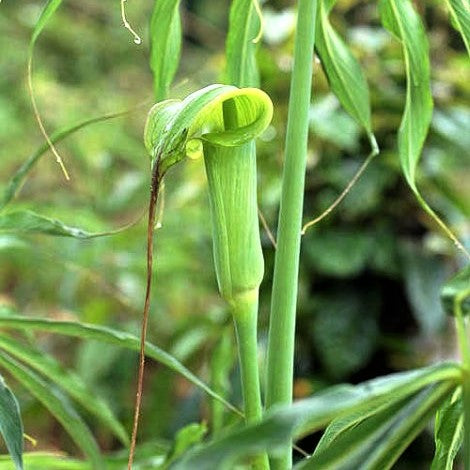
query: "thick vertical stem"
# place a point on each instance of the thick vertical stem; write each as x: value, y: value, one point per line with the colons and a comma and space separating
x: 231, y: 175
x: 245, y: 315
x: 285, y: 283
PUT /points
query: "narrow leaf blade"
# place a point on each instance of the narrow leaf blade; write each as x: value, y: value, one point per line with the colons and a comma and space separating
x: 58, y: 405
x: 346, y: 439
x: 14, y: 185
x: 45, y: 16
x: 312, y: 414
x: 25, y: 221
x: 400, y: 18
x: 460, y: 14
x: 402, y: 21
x: 108, y: 335
x: 165, y: 45
x: 343, y: 71
x: 11, y: 425
x: 406, y: 426
x: 448, y: 433
x: 67, y: 380
x: 244, y: 24
x: 376, y: 442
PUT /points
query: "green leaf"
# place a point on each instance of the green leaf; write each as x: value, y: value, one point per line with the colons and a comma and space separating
x: 460, y: 14
x: 376, y: 442
x: 381, y: 392
x: 406, y: 426
x: 31, y: 222
x: 448, y: 432
x: 455, y: 294
x: 343, y: 71
x: 348, y: 83
x: 15, y: 183
x: 11, y: 426
x: 58, y: 405
x: 165, y: 45
x: 46, y: 14
x: 49, y: 461
x: 68, y: 381
x: 148, y: 456
x: 108, y: 335
x: 241, y: 68
x: 346, y: 439
x: 400, y: 18
x: 312, y: 414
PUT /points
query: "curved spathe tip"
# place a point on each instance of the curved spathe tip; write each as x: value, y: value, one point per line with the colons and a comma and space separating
x: 171, y: 124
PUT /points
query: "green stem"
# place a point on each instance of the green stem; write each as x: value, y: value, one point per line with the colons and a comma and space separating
x: 285, y: 282
x: 464, y: 346
x: 245, y: 315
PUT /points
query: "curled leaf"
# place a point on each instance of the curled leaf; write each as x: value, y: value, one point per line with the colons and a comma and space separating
x: 173, y: 124
x: 226, y: 120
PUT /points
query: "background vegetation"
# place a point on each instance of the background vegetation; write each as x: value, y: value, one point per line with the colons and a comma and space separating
x: 370, y: 273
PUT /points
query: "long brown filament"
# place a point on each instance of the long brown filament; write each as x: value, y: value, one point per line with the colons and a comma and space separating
x: 154, y: 188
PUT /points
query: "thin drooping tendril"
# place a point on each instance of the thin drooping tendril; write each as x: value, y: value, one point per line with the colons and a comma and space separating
x: 343, y: 194
x: 154, y: 188
x: 137, y: 38
x: 265, y: 225
x: 37, y: 115
x: 443, y: 226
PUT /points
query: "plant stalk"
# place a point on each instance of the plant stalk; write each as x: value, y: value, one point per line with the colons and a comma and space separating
x: 245, y: 315
x: 286, y: 267
x: 231, y: 175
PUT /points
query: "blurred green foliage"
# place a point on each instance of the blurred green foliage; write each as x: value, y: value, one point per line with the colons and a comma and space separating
x: 370, y: 273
